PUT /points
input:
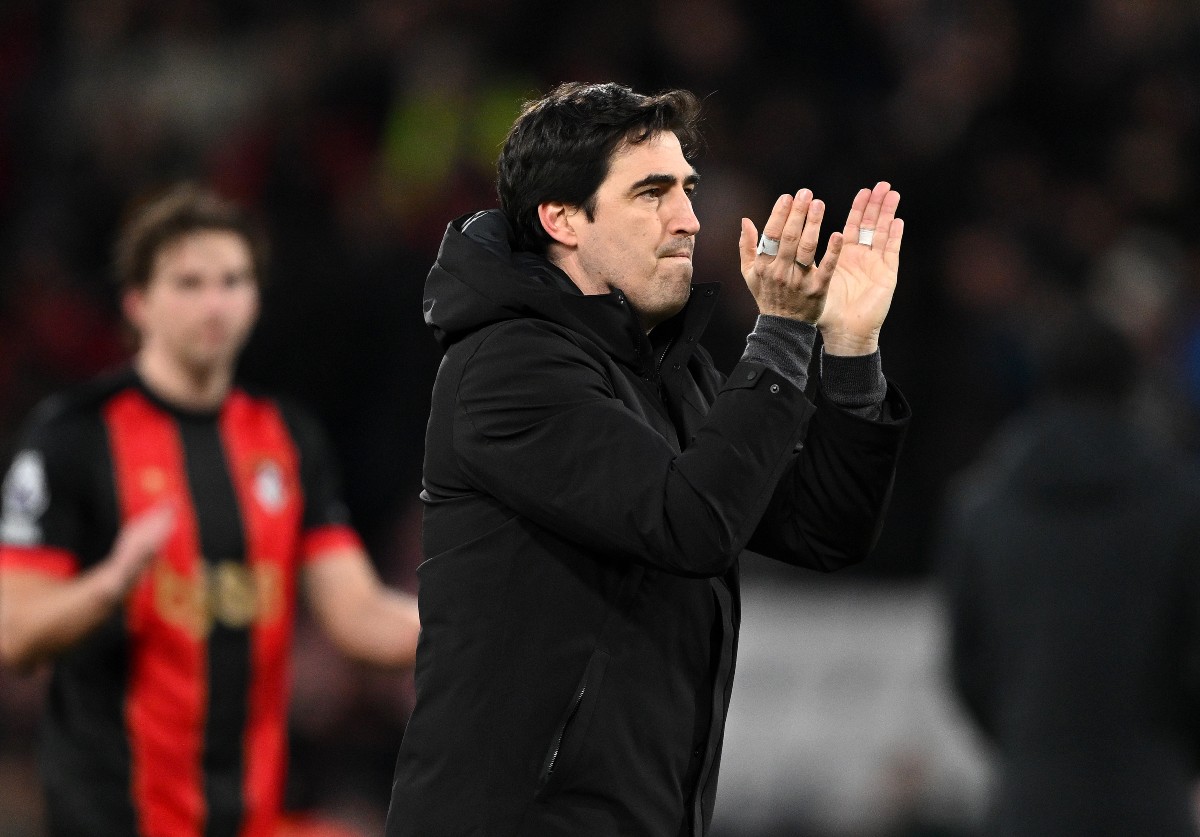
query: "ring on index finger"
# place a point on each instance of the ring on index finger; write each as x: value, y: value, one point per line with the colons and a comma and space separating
x: 770, y: 246
x: 803, y: 265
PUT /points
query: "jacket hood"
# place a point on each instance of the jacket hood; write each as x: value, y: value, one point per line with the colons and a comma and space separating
x: 478, y: 280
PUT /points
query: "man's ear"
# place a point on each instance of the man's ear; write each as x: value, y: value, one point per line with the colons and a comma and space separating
x: 133, y: 305
x: 558, y: 219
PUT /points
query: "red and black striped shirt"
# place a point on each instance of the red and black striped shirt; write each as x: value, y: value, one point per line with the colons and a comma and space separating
x: 170, y: 719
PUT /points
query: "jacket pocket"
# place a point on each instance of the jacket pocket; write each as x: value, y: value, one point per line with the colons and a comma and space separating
x: 571, y: 732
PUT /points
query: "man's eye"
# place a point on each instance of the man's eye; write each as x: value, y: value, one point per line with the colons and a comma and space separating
x: 651, y: 193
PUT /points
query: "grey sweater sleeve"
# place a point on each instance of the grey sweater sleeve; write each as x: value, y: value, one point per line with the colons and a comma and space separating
x: 782, y: 344
x: 785, y: 345
x: 855, y: 383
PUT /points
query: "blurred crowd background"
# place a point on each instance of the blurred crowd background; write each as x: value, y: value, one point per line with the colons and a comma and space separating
x: 1046, y: 154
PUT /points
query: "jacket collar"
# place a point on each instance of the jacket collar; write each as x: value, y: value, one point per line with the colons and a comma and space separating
x: 610, y: 322
x: 478, y: 280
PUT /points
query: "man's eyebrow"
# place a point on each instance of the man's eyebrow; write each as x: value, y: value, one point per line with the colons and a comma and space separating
x: 665, y: 180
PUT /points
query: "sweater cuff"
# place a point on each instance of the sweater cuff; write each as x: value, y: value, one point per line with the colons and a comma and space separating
x: 782, y: 344
x: 854, y: 383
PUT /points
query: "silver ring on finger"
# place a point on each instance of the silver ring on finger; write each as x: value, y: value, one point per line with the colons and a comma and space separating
x: 770, y: 246
x: 866, y: 236
x: 803, y: 265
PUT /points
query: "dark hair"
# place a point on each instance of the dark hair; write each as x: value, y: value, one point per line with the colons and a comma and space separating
x: 164, y: 217
x: 561, y: 146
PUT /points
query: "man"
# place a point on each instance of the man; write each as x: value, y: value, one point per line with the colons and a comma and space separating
x: 1071, y: 560
x: 156, y: 525
x: 590, y: 479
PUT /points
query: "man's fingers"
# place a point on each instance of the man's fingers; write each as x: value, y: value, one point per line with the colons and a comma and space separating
x: 798, y: 239
x: 146, y: 533
x: 160, y: 522
x: 854, y: 219
x: 883, y: 224
x: 806, y: 250
x: 833, y: 250
x: 747, y: 242
x: 157, y: 515
x: 793, y: 229
x: 891, y: 252
x: 141, y: 538
x: 871, y: 213
x: 779, y: 214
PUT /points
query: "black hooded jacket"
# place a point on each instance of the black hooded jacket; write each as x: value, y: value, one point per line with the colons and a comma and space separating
x: 588, y: 491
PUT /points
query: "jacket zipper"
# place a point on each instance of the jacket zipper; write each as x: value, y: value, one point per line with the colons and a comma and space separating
x: 663, y: 356
x: 563, y: 732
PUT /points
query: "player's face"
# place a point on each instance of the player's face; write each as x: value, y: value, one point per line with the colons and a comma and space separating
x: 641, y: 239
x: 200, y: 303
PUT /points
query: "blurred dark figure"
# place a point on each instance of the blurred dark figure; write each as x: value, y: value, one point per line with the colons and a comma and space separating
x: 1070, y: 557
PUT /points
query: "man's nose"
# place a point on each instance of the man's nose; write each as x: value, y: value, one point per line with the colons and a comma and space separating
x: 217, y: 298
x: 683, y: 218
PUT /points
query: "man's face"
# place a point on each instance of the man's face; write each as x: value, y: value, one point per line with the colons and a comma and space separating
x: 200, y: 303
x: 640, y: 241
